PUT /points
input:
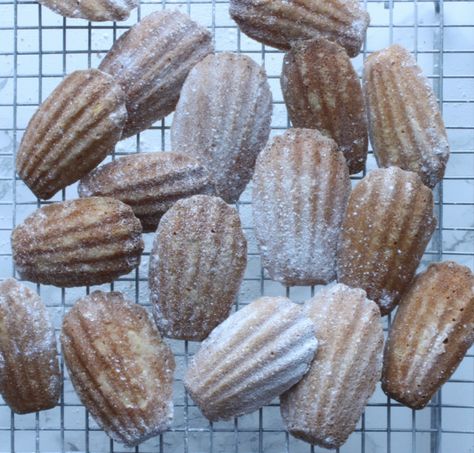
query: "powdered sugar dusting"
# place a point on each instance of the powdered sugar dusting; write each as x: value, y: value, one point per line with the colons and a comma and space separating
x: 119, y: 366
x: 29, y: 370
x: 388, y: 223
x: 324, y: 407
x: 407, y: 129
x: 252, y: 357
x: 223, y: 118
x: 301, y: 187
x: 196, y: 266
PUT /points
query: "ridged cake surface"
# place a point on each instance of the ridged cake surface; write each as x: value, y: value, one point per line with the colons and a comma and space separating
x: 406, y: 127
x: 30, y: 379
x: 148, y: 182
x: 93, y: 10
x: 322, y: 91
x: 151, y: 62
x: 325, y: 406
x: 196, y: 266
x: 252, y: 357
x: 431, y: 333
x: 280, y: 23
x: 388, y: 223
x: 80, y: 242
x: 223, y: 118
x: 300, y: 191
x: 119, y: 366
x: 72, y: 131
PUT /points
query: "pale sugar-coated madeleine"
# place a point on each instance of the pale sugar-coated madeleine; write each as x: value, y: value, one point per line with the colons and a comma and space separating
x: 325, y: 406
x: 251, y: 358
x: 431, y: 333
x: 71, y: 132
x: 280, y: 23
x: 406, y: 127
x: 151, y: 61
x: 148, y: 182
x: 81, y: 242
x: 388, y: 223
x: 223, y: 118
x: 119, y: 365
x: 196, y: 266
x: 94, y: 10
x: 322, y: 91
x: 30, y: 379
x: 300, y: 191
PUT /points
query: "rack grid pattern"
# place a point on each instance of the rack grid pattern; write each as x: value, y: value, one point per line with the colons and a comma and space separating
x: 37, y: 47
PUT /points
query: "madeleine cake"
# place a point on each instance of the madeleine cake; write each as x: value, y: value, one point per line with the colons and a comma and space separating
x: 325, y: 406
x: 80, y: 242
x: 196, y: 266
x: 322, y: 91
x: 93, y: 10
x: 151, y: 61
x: 406, y: 127
x: 431, y: 333
x: 300, y: 191
x: 120, y: 367
x: 148, y: 182
x: 280, y: 23
x: 388, y: 223
x: 30, y: 379
x: 72, y: 131
x: 223, y: 118
x: 252, y: 357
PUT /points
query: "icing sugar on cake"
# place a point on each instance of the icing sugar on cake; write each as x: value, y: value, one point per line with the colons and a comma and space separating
x: 300, y: 191
x: 252, y: 357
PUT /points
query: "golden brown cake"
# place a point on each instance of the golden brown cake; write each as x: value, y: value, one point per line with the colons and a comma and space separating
x: 431, y: 333
x: 81, y: 242
x: 388, y: 223
x: 300, y: 191
x: 280, y: 23
x: 406, y: 127
x: 322, y: 91
x: 30, y: 379
x: 223, y: 118
x: 148, y: 182
x: 325, y: 406
x: 151, y: 61
x: 94, y: 10
x: 252, y: 357
x: 120, y: 367
x: 72, y: 131
x: 196, y: 267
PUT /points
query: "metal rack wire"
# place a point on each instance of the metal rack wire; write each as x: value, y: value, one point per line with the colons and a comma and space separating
x: 37, y: 47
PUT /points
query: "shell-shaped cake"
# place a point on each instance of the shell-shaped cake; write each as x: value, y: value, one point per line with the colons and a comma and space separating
x: 87, y: 241
x: 279, y: 23
x: 151, y: 62
x: 431, y: 333
x: 322, y: 91
x: 196, y: 266
x: 300, y: 191
x: 406, y: 127
x: 72, y: 131
x: 251, y: 358
x: 93, y: 10
x: 148, y: 182
x: 119, y: 366
x: 388, y: 223
x: 325, y: 406
x: 223, y: 118
x: 30, y: 379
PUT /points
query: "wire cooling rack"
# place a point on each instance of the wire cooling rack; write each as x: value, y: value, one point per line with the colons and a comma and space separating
x: 37, y: 47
